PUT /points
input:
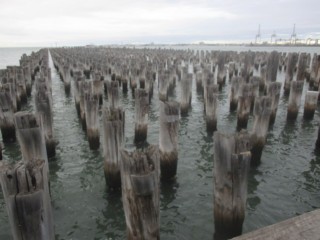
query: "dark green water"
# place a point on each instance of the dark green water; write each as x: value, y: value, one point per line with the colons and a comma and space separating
x: 287, y: 182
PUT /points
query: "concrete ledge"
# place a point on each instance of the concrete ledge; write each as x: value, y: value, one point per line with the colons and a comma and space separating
x: 303, y: 227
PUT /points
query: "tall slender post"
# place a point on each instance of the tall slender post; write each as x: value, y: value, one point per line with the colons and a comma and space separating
x: 141, y: 115
x: 273, y: 91
x: 199, y: 76
x: 21, y: 87
x: 231, y: 69
x: 294, y: 100
x: 168, y: 138
x: 255, y: 83
x: 7, y: 118
x: 26, y: 193
x: 66, y: 79
x: 113, y: 94
x: 310, y: 104
x: 272, y: 66
x: 84, y: 90
x: 91, y: 106
x: 10, y: 89
x: 291, y: 64
x: 302, y: 65
x: 262, y: 112
x: 140, y: 173
x: 208, y: 79
x: 97, y: 89
x: 186, y: 96
x: 236, y: 82
x: 113, y: 125
x: 244, y: 106
x: 232, y: 164
x: 163, y: 86
x: 318, y: 140
x: 30, y: 136
x: 221, y: 75
x: 43, y: 105
x: 28, y: 80
x: 77, y: 91
x: 263, y: 75
x: 315, y: 66
x: 211, y: 107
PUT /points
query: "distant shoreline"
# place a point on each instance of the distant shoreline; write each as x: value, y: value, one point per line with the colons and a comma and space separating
x: 184, y: 45
x: 229, y: 44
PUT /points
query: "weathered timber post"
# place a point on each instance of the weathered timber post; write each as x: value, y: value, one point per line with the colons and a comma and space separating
x: 282, y: 62
x: 77, y: 92
x: 208, y: 79
x: 141, y: 115
x: 113, y: 135
x: 273, y: 91
x: 221, y: 75
x: 134, y: 80
x: 231, y: 69
x: 7, y: 118
x: 318, y: 140
x: 21, y: 87
x: 84, y: 89
x: 27, y: 77
x: 263, y: 81
x: 291, y: 64
x: 149, y: 84
x: 26, y: 193
x: 231, y: 167
x: 262, y: 112
x: 142, y: 83
x: 236, y: 82
x: 199, y: 76
x: 124, y: 81
x: 272, y: 66
x: 91, y: 106
x: 140, y: 173
x: 14, y: 89
x: 168, y: 138
x: 244, y: 105
x: 247, y: 70
x: 294, y: 100
x: 310, y: 104
x: 163, y: 79
x: 43, y: 105
x: 113, y: 94
x: 97, y: 89
x: 31, y: 138
x: 302, y: 65
x: 212, y: 107
x: 255, y: 82
x: 186, y: 96
x: 314, y: 82
x: 66, y: 79
x: 10, y: 89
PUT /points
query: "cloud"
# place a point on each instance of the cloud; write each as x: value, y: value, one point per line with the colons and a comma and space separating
x: 27, y: 23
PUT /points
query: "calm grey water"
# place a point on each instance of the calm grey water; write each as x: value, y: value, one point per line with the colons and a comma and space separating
x: 287, y: 182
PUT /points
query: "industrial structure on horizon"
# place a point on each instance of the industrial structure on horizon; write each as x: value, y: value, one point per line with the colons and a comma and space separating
x: 293, y: 40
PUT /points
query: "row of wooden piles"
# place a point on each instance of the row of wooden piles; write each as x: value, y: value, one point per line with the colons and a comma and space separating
x: 25, y: 184
x: 137, y: 172
x: 254, y: 88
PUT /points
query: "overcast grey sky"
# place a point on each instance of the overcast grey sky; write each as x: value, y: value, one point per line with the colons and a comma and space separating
x: 79, y: 22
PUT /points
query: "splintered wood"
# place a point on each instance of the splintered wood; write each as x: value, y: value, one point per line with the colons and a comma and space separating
x: 232, y: 164
x: 26, y: 192
x: 140, y: 173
